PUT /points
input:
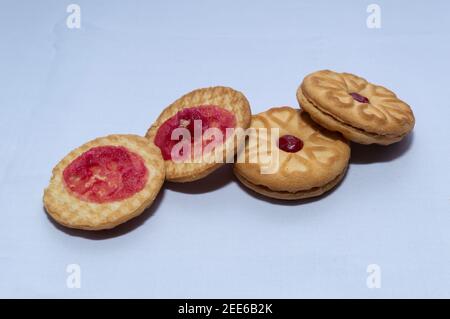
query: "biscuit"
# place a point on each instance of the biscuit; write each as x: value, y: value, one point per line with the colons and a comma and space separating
x: 105, y: 182
x: 363, y: 112
x: 311, y: 160
x: 217, y: 107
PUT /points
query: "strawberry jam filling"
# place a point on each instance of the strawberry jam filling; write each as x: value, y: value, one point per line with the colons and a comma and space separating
x: 290, y: 144
x: 106, y: 174
x: 194, y: 119
x: 360, y: 98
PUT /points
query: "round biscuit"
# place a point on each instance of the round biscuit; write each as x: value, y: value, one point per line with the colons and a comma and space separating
x: 385, y: 119
x: 220, y: 96
x: 315, y: 169
x: 68, y: 210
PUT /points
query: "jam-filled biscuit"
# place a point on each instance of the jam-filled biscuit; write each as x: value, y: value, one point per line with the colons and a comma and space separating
x: 363, y: 112
x: 105, y: 182
x: 310, y: 160
x: 217, y: 109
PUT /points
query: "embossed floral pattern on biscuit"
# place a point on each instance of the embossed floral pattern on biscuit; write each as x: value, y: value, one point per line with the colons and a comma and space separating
x: 318, y: 149
x: 336, y: 89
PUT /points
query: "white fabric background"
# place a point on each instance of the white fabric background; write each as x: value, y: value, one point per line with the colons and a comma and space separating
x: 61, y: 87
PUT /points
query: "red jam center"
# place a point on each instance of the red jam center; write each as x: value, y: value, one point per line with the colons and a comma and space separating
x: 360, y: 98
x: 106, y: 174
x: 211, y: 116
x: 290, y: 143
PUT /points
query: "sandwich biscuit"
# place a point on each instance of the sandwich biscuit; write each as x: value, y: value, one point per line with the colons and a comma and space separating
x: 363, y: 112
x: 310, y: 159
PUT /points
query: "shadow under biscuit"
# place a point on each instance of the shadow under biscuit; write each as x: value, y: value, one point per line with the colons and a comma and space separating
x: 283, y: 202
x: 366, y: 154
x: 216, y: 180
x: 117, y: 231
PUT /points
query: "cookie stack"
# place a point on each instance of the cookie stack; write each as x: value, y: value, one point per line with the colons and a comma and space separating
x: 335, y: 108
x: 284, y: 152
